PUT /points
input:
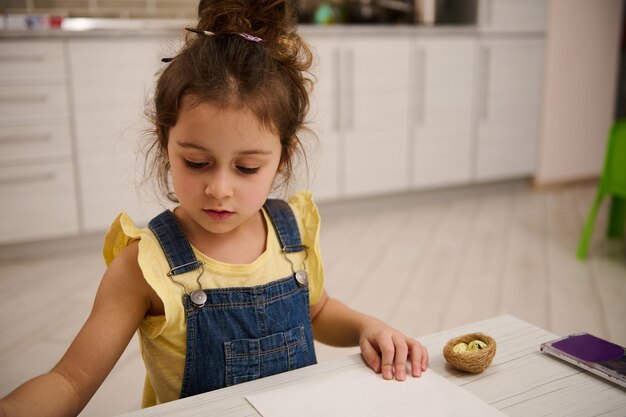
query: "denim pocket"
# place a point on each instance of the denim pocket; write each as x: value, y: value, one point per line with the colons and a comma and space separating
x: 250, y: 359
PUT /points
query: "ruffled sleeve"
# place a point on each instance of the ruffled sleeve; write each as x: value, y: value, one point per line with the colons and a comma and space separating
x: 308, y: 218
x: 153, y: 266
x: 121, y: 233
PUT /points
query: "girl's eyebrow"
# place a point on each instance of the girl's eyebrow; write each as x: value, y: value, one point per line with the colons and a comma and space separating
x: 183, y: 144
x: 255, y: 152
x: 244, y: 152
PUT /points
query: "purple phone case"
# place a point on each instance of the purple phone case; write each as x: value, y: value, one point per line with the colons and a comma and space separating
x: 590, y: 348
x: 592, y: 353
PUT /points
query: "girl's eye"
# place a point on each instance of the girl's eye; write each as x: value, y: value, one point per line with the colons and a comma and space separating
x: 195, y: 165
x: 247, y: 170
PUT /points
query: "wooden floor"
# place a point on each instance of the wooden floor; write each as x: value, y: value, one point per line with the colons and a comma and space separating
x: 423, y: 261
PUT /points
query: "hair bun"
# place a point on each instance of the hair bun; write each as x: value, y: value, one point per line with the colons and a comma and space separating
x: 274, y: 21
x: 269, y: 20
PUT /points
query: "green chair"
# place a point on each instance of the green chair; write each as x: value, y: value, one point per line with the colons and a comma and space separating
x: 612, y: 183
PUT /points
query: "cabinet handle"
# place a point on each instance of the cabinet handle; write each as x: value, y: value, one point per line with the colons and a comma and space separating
x: 488, y: 12
x: 484, y: 87
x: 10, y: 139
x: 350, y: 89
x: 32, y: 98
x: 420, y: 85
x: 337, y: 91
x: 25, y: 179
x: 21, y: 58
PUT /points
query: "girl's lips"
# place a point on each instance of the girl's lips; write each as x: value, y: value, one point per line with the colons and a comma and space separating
x: 219, y: 215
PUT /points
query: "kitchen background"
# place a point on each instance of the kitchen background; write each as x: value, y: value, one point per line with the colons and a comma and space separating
x: 486, y: 120
x: 522, y: 91
x: 337, y: 11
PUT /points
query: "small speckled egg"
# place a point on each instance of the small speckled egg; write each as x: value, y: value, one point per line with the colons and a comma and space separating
x: 476, y: 345
x: 460, y: 348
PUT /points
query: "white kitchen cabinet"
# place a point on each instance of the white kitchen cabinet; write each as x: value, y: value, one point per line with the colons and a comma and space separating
x: 510, y: 87
x: 21, y: 103
x: 36, y: 159
x: 512, y: 15
x: 112, y: 82
x: 373, y: 113
x: 35, y: 142
x: 510, y: 93
x: 360, y: 114
x: 38, y: 201
x: 32, y: 62
x: 443, y: 75
x: 322, y: 143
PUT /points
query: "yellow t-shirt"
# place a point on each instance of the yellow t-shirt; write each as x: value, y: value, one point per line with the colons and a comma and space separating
x: 163, y: 338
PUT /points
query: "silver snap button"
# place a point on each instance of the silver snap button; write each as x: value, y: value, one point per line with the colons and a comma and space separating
x: 302, y: 277
x: 198, y: 297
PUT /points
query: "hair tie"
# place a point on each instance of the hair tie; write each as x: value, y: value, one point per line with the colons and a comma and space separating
x: 244, y: 35
x: 249, y: 37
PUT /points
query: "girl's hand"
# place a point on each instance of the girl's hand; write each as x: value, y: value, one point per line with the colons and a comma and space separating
x: 384, y: 349
x: 387, y: 350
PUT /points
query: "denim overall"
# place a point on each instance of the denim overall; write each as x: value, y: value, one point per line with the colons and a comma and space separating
x: 236, y: 335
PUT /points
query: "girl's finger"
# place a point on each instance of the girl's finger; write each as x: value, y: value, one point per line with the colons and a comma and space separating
x: 371, y: 356
x: 416, y: 358
x: 401, y: 353
x: 387, y: 350
x: 424, y: 358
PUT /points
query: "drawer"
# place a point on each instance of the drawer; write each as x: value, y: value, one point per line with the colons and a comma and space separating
x: 32, y: 60
x: 38, y: 202
x: 33, y: 103
x: 34, y: 141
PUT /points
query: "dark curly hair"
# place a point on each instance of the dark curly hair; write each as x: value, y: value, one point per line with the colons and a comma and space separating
x: 268, y: 77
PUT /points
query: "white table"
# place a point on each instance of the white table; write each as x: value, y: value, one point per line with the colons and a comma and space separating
x: 521, y: 381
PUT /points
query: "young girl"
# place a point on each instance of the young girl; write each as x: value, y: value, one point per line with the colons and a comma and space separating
x: 227, y: 287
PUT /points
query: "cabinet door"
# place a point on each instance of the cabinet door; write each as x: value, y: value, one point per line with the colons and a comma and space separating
x: 442, y: 111
x: 23, y: 104
x: 322, y: 143
x: 112, y: 81
x: 513, y: 15
x: 373, y: 113
x: 508, y: 127
x: 37, y: 201
x: 28, y: 62
x: 34, y: 142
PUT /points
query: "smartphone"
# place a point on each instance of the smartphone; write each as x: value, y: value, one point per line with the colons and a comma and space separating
x: 592, y: 353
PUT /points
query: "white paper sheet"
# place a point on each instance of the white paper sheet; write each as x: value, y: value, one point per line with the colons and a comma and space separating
x: 361, y: 392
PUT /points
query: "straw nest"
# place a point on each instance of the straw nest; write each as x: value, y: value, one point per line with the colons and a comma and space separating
x: 473, y: 361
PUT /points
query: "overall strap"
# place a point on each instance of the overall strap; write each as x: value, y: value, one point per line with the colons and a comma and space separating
x: 285, y: 224
x: 178, y: 250
x: 174, y: 243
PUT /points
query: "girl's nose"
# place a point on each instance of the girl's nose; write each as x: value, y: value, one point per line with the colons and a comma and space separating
x: 219, y: 186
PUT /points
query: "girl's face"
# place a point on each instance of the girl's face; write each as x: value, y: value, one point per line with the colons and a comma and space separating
x: 223, y: 163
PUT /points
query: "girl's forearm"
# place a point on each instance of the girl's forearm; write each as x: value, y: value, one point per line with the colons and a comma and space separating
x: 50, y: 394
x: 338, y: 325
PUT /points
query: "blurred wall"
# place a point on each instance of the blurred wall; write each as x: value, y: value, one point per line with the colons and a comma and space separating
x: 582, y: 49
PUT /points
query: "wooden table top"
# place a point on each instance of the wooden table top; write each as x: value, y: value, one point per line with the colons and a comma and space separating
x: 521, y: 381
